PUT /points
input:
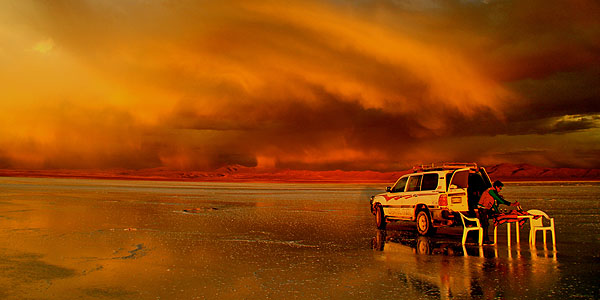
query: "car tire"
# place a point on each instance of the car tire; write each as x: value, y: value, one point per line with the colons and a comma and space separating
x: 424, y: 225
x: 380, y: 220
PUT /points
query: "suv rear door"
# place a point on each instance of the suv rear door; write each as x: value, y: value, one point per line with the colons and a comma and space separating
x: 457, y: 190
x: 485, y: 177
x: 422, y: 190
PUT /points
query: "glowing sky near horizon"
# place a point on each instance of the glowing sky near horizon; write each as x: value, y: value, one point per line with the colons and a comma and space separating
x: 352, y: 85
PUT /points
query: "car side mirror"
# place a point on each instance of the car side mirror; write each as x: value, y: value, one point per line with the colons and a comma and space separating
x: 388, y: 189
x: 453, y: 186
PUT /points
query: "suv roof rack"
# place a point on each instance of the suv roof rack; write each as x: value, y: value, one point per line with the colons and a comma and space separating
x: 443, y: 166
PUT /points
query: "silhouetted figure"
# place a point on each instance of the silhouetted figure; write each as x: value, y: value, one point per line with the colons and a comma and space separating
x: 488, y: 207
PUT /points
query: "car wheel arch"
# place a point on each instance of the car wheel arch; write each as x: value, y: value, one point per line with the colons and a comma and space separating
x: 428, y: 229
x: 418, y: 208
x: 380, y: 218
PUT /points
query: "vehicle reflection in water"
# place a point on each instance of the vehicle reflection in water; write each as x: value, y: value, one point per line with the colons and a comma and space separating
x: 443, y: 268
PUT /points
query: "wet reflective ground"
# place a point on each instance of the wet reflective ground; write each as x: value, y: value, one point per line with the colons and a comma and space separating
x: 95, y: 239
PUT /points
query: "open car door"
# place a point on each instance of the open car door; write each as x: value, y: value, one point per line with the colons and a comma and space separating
x: 457, y: 190
x: 486, y: 178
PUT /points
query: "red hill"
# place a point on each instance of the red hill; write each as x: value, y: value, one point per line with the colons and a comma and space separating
x: 507, y: 172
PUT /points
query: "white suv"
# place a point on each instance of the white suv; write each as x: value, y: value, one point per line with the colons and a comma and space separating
x: 431, y: 195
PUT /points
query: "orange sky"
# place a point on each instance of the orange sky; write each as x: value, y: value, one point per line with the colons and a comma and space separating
x: 352, y: 85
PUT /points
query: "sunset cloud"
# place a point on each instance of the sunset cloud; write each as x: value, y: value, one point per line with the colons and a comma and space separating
x: 302, y: 84
x: 44, y: 46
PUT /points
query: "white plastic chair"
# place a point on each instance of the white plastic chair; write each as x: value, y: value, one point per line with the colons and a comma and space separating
x: 538, y: 224
x: 466, y: 228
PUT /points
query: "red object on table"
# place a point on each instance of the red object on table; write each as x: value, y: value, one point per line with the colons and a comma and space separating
x: 513, y: 216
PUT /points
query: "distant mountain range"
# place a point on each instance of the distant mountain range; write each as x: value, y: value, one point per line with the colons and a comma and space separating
x: 525, y: 172
x: 236, y: 173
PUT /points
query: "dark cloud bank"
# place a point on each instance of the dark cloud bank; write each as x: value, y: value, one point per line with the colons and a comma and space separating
x: 252, y: 82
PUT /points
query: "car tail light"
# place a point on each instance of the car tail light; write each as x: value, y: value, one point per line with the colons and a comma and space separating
x: 443, y: 200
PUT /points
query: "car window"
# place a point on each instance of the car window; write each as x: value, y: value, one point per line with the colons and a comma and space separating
x: 430, y: 182
x: 460, y: 179
x: 399, y: 187
x: 414, y: 183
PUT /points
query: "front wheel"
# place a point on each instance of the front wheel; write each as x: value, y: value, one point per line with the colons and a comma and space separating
x: 424, y: 225
x: 380, y: 217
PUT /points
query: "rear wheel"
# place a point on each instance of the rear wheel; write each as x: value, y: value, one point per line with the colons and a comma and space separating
x: 424, y: 225
x: 380, y: 217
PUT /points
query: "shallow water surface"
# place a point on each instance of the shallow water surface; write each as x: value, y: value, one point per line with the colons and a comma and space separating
x: 98, y: 239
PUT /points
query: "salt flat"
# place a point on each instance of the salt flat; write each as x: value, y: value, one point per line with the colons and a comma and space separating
x: 102, y: 239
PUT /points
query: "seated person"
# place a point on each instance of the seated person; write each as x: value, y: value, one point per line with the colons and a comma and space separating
x: 488, y: 206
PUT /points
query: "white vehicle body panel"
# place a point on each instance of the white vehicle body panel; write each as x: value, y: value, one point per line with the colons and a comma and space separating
x: 439, y: 192
x: 457, y: 197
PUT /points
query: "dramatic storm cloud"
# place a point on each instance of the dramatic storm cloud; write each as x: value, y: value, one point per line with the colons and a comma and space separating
x: 298, y: 84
